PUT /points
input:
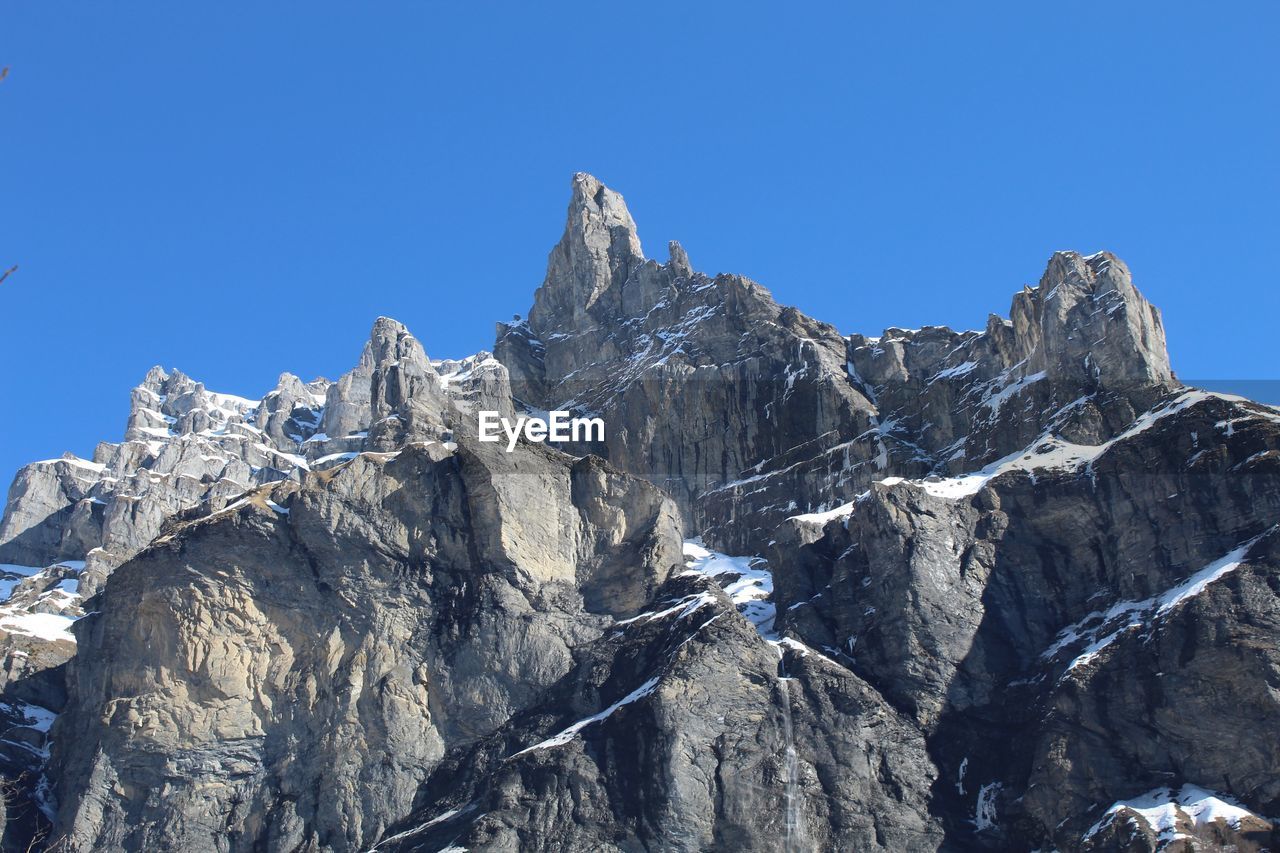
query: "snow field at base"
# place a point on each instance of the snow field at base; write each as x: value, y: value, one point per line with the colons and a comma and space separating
x: 1164, y: 808
x: 45, y: 626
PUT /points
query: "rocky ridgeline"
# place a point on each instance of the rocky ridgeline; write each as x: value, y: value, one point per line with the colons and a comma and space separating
x: 184, y: 446
x: 187, y: 447
x: 748, y: 412
x: 1021, y: 592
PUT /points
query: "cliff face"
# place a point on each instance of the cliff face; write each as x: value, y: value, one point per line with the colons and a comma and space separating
x: 290, y: 668
x: 1008, y: 589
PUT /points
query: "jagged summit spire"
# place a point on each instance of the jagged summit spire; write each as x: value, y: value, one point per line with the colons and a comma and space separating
x: 598, y: 251
x: 591, y: 197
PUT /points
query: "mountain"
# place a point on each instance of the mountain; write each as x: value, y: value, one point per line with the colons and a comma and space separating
x: 1008, y: 589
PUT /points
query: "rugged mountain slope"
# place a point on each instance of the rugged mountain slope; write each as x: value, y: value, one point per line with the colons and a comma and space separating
x: 748, y: 412
x: 1113, y: 605
x: 289, y: 669
x: 1016, y: 589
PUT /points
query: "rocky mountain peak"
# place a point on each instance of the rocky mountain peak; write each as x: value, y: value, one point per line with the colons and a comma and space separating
x: 679, y: 260
x: 290, y: 414
x: 155, y: 378
x: 597, y: 253
x: 392, y: 344
x: 407, y: 400
x: 172, y: 402
x: 393, y: 394
x: 389, y: 331
x: 1087, y: 323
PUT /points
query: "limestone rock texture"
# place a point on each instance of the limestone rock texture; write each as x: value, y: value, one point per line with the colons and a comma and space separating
x: 1009, y: 589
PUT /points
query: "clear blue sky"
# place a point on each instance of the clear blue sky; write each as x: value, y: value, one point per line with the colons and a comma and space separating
x: 238, y: 189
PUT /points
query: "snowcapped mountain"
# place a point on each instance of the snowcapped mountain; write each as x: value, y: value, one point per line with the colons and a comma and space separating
x: 1007, y: 589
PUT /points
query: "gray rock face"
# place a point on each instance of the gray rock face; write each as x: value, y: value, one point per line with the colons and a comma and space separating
x: 407, y: 401
x: 187, y: 450
x: 676, y: 732
x: 1022, y: 589
x: 1087, y: 323
x: 50, y: 514
x: 37, y: 607
x: 396, y: 395
x: 593, y: 262
x: 290, y: 414
x: 1067, y: 627
x: 954, y: 401
x: 477, y: 383
x: 290, y: 669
